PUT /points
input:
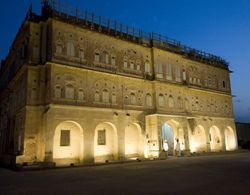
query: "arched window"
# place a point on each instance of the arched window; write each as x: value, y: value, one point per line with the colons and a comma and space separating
x: 105, y: 58
x: 97, y: 96
x: 138, y: 65
x: 69, y: 92
x: 125, y: 62
x: 169, y: 71
x: 97, y: 56
x: 149, y: 100
x: 132, y: 99
x: 186, y: 104
x: 81, y: 54
x: 161, y: 100
x: 170, y: 101
x: 180, y: 103
x: 70, y: 49
x: 113, y: 60
x: 223, y: 84
x: 178, y: 73
x: 147, y: 66
x: 113, y: 98
x: 34, y: 93
x: 59, y: 49
x: 80, y: 94
x: 132, y: 64
x: 105, y: 96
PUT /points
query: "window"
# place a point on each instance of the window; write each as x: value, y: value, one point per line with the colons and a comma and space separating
x: 65, y: 138
x: 132, y: 98
x: 58, y: 92
x: 80, y: 94
x: 70, y: 49
x: 97, y: 96
x: 113, y: 98
x: 169, y: 71
x: 113, y: 60
x: 159, y: 67
x: 35, y: 52
x: 69, y: 92
x: 148, y: 100
x: 170, y: 101
x: 97, y: 56
x: 209, y: 81
x: 101, y: 137
x: 125, y: 62
x: 132, y: 64
x: 147, y: 66
x: 178, y: 73
x: 59, y: 49
x: 224, y: 84
x: 105, y: 96
x: 81, y: 54
x: 184, y: 76
x: 138, y: 65
x: 105, y: 58
x: 186, y: 104
x: 180, y: 103
x: 34, y: 93
x: 161, y: 100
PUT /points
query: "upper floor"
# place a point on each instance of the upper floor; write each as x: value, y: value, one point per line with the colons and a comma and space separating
x: 56, y: 37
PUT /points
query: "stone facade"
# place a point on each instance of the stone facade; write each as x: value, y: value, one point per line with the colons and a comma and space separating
x: 71, y: 94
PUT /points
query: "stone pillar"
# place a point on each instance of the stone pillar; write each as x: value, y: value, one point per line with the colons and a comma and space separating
x: 186, y: 138
x: 88, y: 142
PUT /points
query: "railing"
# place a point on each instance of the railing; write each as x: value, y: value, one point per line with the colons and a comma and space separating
x: 105, y: 25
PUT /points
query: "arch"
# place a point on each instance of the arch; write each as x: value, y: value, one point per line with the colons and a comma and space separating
x: 170, y: 101
x: 215, y: 139
x: 97, y: 96
x: 148, y: 100
x: 161, y: 100
x: 132, y: 99
x: 68, y: 143
x: 230, y: 139
x: 97, y: 56
x: 105, y: 57
x: 125, y: 62
x: 105, y: 96
x: 169, y: 134
x: 105, y: 142
x: 147, y: 66
x: 133, y: 141
x: 198, y: 140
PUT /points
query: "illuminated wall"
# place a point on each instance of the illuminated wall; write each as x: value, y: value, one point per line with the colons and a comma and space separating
x: 73, y: 149
x: 105, y: 142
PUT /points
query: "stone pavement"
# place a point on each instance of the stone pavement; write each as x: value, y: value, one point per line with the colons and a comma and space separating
x: 213, y: 174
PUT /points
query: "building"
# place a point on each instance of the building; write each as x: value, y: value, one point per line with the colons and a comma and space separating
x: 243, y: 134
x: 77, y: 88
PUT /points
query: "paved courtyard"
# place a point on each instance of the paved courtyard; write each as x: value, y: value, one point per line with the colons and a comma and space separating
x: 216, y: 174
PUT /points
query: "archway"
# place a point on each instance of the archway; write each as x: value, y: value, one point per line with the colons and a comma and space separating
x: 198, y: 140
x: 133, y: 141
x: 168, y: 134
x: 68, y: 143
x: 105, y: 142
x: 230, y: 139
x: 215, y: 139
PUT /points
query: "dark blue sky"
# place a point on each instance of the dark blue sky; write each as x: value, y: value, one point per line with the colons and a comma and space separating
x: 221, y: 27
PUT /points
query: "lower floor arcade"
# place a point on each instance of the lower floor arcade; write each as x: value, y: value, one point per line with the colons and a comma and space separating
x: 94, y: 136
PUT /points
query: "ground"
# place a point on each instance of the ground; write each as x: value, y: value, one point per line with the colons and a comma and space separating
x: 213, y: 174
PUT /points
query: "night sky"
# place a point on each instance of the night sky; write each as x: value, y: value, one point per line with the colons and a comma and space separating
x: 220, y: 27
